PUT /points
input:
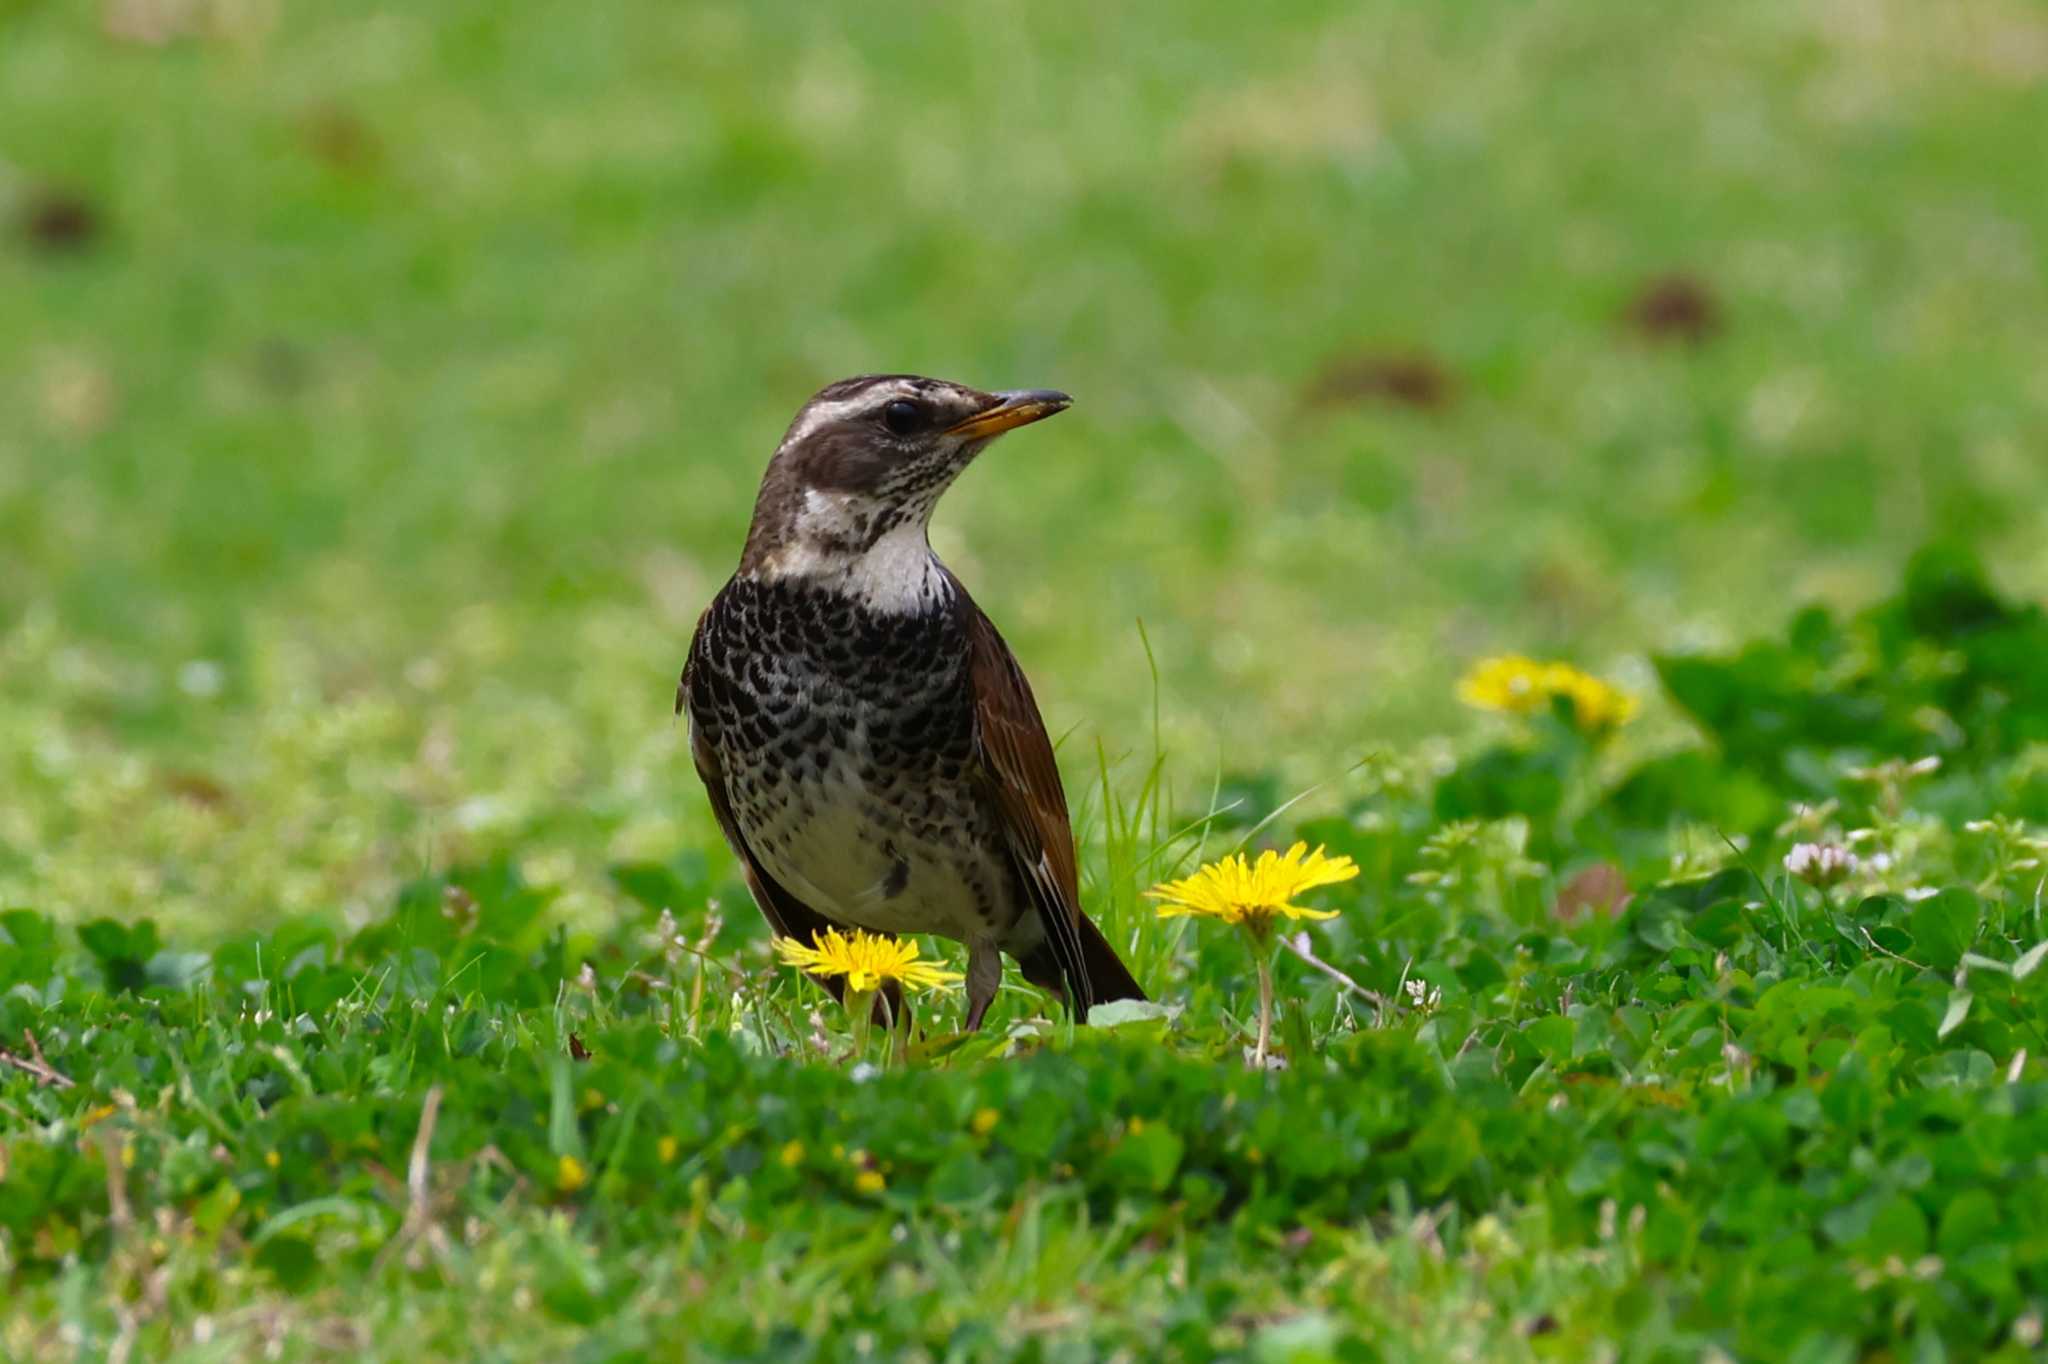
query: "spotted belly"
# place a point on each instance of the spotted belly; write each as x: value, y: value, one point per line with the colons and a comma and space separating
x: 888, y: 858
x: 845, y: 738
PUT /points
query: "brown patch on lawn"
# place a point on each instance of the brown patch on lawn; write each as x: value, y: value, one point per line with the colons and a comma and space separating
x: 340, y: 139
x: 1413, y: 379
x: 196, y: 788
x: 1600, y: 889
x: 1675, y: 307
x: 60, y: 222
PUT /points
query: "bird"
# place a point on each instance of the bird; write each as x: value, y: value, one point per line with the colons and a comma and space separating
x: 872, y: 751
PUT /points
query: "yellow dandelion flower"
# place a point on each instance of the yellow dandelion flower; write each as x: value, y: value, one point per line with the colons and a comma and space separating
x: 870, y: 1182
x: 570, y: 1174
x: 666, y: 1148
x: 272, y: 1159
x: 865, y: 959
x: 1520, y: 685
x: 1514, y: 683
x: 1597, y: 706
x: 985, y: 1120
x: 1254, y: 894
x: 793, y: 1154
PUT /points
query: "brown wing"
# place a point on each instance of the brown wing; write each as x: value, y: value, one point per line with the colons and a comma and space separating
x: 1017, y: 762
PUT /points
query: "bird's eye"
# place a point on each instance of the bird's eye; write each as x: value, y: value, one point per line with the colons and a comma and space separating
x: 903, y: 416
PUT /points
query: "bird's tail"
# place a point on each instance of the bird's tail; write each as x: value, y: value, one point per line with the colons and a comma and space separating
x: 1108, y: 977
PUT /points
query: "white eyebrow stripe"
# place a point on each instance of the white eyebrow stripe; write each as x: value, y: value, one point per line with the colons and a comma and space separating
x: 822, y: 414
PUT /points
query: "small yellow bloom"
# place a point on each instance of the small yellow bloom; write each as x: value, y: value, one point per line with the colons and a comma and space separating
x: 985, y: 1120
x: 870, y: 1182
x: 666, y: 1148
x: 1136, y: 1125
x: 793, y: 1154
x: 272, y: 1159
x: 1239, y: 891
x: 1513, y: 683
x: 1521, y: 685
x: 570, y: 1175
x: 1596, y: 706
x: 865, y: 959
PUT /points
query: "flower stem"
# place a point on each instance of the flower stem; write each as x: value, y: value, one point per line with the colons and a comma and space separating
x: 860, y: 1014
x: 1265, y: 960
x: 1300, y: 948
x: 899, y: 1034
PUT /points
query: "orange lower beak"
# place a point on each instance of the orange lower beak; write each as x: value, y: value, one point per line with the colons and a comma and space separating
x: 1011, y: 410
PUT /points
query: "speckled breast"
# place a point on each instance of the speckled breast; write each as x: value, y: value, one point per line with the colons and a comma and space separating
x: 846, y: 740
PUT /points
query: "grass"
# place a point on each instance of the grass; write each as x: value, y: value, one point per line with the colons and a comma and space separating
x: 1763, y: 1104
x: 384, y: 393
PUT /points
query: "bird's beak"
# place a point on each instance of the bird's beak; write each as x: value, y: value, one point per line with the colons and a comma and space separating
x: 1011, y: 410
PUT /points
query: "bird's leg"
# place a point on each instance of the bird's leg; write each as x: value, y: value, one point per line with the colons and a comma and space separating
x: 984, y: 974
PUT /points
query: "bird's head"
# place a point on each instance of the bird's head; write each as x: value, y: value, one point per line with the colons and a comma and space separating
x: 861, y: 467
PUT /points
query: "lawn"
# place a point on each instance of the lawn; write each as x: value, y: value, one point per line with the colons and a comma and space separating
x: 382, y: 394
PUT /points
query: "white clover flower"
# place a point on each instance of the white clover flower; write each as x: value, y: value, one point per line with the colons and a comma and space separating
x: 1820, y: 864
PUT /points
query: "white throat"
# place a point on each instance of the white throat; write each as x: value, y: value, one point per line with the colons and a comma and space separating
x: 895, y: 575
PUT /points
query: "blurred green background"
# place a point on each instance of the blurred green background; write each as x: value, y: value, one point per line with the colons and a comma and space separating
x: 383, y: 388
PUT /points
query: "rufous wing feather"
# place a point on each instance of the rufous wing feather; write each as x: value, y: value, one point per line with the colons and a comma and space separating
x: 1017, y: 762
